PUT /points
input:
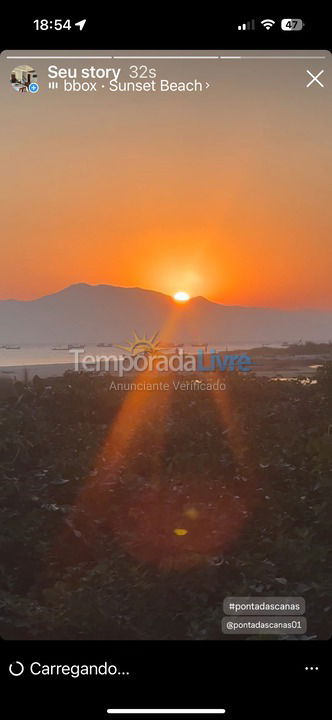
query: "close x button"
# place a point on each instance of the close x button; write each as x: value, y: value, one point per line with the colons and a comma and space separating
x: 315, y: 78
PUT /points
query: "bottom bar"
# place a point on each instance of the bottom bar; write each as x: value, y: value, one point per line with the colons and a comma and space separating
x: 166, y: 711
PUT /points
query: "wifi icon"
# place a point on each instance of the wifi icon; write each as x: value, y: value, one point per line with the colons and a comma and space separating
x: 268, y: 24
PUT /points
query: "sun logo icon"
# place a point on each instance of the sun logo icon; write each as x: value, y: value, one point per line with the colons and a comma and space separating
x: 141, y: 345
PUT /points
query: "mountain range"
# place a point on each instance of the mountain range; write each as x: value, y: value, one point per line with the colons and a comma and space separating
x: 83, y: 313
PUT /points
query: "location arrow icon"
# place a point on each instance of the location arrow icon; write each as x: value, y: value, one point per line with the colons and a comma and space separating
x: 81, y: 24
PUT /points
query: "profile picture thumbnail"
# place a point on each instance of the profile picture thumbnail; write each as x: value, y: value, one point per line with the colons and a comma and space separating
x: 22, y: 77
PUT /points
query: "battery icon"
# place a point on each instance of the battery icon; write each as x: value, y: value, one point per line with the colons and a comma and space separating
x: 292, y: 24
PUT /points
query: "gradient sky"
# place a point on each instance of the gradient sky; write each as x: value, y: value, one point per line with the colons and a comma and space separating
x: 224, y: 194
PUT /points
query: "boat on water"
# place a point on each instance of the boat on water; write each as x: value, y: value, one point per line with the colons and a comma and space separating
x: 11, y: 347
x: 68, y: 347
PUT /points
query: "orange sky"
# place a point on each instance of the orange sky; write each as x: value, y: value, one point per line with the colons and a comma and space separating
x: 223, y: 194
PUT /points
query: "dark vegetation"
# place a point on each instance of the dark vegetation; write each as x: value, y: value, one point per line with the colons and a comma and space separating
x: 95, y: 483
x: 295, y: 349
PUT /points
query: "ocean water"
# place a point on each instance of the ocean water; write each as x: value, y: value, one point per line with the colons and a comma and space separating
x: 29, y: 355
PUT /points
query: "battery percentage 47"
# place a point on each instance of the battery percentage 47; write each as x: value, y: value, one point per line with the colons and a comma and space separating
x: 291, y: 24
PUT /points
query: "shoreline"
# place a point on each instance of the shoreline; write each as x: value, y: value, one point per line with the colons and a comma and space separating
x: 291, y: 367
x: 45, y: 370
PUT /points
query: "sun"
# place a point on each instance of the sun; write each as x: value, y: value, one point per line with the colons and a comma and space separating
x: 181, y: 296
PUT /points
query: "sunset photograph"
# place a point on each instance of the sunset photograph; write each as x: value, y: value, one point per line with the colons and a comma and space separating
x: 165, y: 349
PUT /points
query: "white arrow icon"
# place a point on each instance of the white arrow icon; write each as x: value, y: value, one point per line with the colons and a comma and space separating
x: 81, y: 24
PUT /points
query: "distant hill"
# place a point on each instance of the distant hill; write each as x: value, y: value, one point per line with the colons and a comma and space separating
x: 99, y: 313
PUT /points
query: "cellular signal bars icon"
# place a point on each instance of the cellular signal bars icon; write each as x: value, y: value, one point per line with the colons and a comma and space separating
x: 249, y: 25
